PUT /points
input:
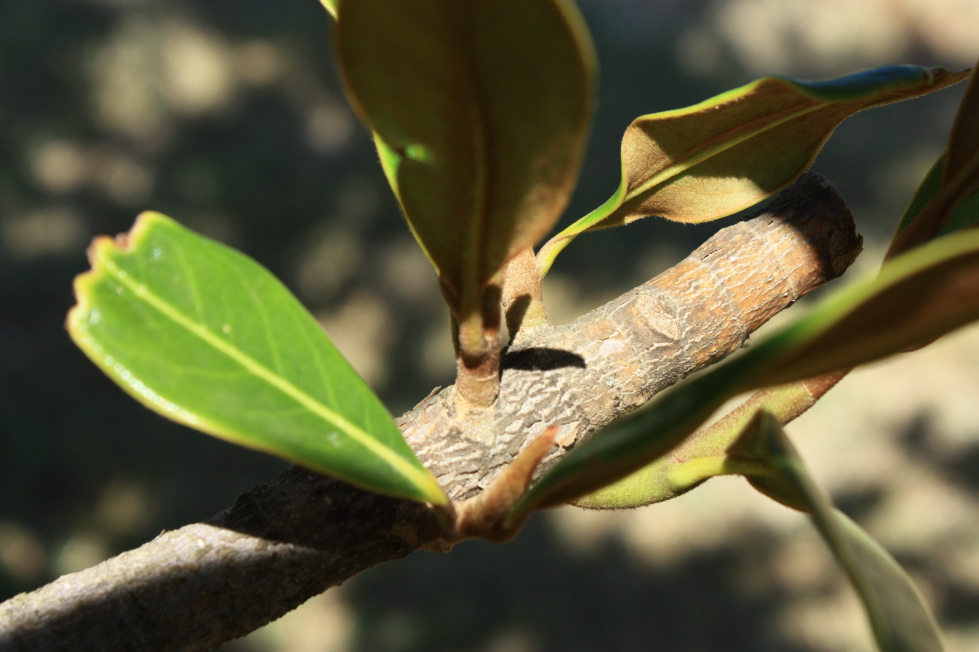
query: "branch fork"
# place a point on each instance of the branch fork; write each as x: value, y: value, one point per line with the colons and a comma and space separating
x: 484, y: 516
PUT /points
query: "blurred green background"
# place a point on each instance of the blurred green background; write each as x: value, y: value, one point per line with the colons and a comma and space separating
x: 228, y: 116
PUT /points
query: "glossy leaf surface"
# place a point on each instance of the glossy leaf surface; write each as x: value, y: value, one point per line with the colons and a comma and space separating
x: 480, y: 110
x: 731, y: 151
x: 899, y: 617
x: 209, y: 338
x: 916, y: 298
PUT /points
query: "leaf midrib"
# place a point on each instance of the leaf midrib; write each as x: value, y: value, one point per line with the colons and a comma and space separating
x: 474, y: 262
x: 261, y: 371
x: 679, y: 168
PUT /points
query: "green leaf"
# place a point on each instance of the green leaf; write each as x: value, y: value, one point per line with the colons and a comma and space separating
x: 917, y: 297
x: 480, y: 110
x: 631, y: 442
x: 963, y: 146
x: 683, y: 469
x: 948, y: 198
x: 760, y: 451
x: 965, y: 214
x: 209, y: 338
x: 731, y: 151
x: 900, y: 618
x: 330, y: 6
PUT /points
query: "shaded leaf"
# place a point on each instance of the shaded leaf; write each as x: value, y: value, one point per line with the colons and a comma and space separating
x: 948, y: 198
x: 966, y: 213
x: 480, y: 110
x: 900, y: 618
x: 677, y: 473
x: 631, y: 442
x: 731, y: 151
x: 916, y: 298
x: 209, y: 338
x: 964, y: 142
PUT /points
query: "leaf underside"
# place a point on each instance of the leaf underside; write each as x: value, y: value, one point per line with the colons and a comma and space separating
x: 207, y: 337
x: 732, y: 151
x: 729, y: 152
x: 480, y: 110
x: 908, y: 315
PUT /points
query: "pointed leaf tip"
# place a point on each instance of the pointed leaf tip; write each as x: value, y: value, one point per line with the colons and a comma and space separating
x: 731, y: 151
x: 207, y: 337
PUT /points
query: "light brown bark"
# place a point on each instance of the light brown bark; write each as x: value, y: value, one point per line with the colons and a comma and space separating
x: 296, y: 536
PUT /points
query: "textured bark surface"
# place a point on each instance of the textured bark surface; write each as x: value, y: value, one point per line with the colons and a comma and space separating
x: 296, y: 536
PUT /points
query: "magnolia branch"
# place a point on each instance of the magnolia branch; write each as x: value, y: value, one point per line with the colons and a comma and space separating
x: 300, y: 534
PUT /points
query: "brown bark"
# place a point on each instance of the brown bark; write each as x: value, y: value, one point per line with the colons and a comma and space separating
x: 523, y: 298
x: 296, y: 536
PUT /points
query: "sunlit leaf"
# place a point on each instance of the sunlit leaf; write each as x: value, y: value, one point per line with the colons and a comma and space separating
x: 916, y: 298
x: 209, y: 338
x: 480, y: 110
x: 734, y: 150
x: 899, y: 617
x: 331, y: 6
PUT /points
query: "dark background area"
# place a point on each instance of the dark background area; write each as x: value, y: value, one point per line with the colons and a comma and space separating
x: 228, y: 116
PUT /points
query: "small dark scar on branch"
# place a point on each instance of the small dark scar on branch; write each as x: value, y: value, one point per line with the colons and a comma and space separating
x: 541, y: 359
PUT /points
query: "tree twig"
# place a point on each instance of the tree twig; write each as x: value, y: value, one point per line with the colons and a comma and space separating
x: 298, y: 535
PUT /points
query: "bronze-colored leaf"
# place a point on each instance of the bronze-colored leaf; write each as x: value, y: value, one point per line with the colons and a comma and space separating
x: 948, y: 198
x: 729, y: 152
x: 481, y: 110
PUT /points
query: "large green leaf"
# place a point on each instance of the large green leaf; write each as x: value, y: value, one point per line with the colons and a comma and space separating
x: 900, y: 618
x: 480, y: 109
x: 916, y: 298
x: 733, y: 150
x: 209, y: 338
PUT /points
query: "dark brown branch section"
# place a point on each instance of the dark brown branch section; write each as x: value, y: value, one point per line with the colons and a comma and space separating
x: 294, y: 537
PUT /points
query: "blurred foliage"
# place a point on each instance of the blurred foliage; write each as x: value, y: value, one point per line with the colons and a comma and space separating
x: 228, y: 115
